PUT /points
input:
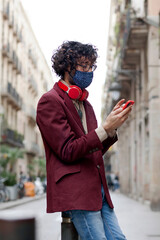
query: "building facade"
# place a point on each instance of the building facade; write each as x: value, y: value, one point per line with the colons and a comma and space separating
x: 24, y: 77
x: 133, y: 61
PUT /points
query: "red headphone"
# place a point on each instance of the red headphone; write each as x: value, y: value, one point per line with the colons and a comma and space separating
x: 74, y: 92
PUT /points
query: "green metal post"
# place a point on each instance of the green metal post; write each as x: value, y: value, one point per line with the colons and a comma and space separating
x: 68, y: 231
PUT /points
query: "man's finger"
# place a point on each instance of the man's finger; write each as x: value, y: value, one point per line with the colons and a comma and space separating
x: 127, y: 110
x: 119, y: 104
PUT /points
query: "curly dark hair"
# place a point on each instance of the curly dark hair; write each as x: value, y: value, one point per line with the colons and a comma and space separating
x: 68, y: 54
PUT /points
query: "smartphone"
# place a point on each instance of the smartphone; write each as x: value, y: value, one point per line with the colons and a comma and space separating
x: 128, y: 103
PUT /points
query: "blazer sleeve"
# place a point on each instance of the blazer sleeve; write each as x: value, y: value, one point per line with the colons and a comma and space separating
x: 108, y: 143
x: 57, y: 133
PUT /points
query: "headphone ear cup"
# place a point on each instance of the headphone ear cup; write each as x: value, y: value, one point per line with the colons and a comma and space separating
x: 84, y: 95
x: 74, y: 92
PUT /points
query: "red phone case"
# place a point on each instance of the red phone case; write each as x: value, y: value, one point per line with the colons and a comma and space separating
x: 130, y: 102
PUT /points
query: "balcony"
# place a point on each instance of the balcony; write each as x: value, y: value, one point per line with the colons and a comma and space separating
x: 32, y: 84
x: 19, y: 35
x: 17, y: 32
x: 6, y: 50
x: 12, y: 96
x: 132, y: 56
x: 32, y: 57
x: 31, y: 113
x: 138, y: 34
x: 11, y: 21
x: 16, y: 63
x: 11, y: 137
x: 134, y: 39
x: 32, y: 148
x: 12, y: 58
x: 5, y: 10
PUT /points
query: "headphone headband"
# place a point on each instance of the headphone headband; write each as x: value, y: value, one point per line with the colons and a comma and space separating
x: 63, y: 86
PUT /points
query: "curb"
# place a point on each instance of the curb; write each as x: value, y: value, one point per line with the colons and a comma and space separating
x: 11, y: 204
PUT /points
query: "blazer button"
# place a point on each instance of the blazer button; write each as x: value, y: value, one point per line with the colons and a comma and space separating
x: 98, y: 166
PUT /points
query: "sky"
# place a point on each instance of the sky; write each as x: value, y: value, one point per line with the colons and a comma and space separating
x: 86, y: 21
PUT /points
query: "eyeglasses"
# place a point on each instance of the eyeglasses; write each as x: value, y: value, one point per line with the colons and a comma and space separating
x: 86, y: 68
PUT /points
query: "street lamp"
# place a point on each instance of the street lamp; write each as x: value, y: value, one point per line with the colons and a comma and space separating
x: 115, y: 89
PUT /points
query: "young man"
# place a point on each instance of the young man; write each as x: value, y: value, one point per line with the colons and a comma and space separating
x: 74, y: 145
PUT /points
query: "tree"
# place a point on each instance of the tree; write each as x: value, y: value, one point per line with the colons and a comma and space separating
x: 41, y: 167
x: 8, y: 157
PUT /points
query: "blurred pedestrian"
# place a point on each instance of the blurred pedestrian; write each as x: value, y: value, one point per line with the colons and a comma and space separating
x: 109, y: 181
x: 116, y: 182
x: 39, y: 189
x: 20, y: 185
x: 74, y: 145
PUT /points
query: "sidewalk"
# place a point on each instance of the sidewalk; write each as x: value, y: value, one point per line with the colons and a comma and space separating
x: 21, y: 201
x: 136, y: 219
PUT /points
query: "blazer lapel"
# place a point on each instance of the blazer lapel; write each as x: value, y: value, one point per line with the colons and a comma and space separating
x: 90, y: 116
x: 68, y: 102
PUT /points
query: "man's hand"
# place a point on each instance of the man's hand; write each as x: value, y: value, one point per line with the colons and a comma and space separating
x: 117, y: 117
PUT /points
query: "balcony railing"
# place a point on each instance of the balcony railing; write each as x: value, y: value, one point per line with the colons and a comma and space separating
x: 6, y: 50
x: 17, y: 32
x: 6, y: 10
x: 12, y: 58
x: 16, y: 63
x: 12, y: 91
x: 12, y: 137
x: 11, y: 21
x: 19, y: 35
x: 31, y: 55
x: 13, y: 97
x: 33, y: 84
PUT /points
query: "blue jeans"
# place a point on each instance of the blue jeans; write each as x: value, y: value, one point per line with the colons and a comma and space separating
x: 97, y: 225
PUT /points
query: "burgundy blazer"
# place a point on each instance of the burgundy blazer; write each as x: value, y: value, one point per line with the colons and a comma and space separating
x: 74, y: 162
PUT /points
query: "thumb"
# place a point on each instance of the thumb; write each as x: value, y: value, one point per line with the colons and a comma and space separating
x: 119, y: 104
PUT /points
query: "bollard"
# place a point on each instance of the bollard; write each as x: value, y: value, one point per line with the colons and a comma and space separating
x: 17, y: 228
x: 68, y: 231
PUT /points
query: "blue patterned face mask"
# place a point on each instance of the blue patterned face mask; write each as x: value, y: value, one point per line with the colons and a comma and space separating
x: 83, y: 79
